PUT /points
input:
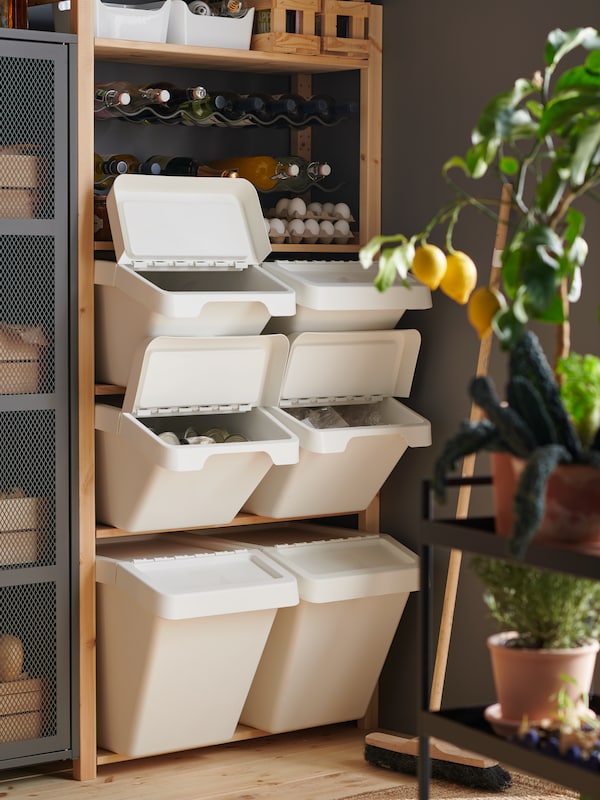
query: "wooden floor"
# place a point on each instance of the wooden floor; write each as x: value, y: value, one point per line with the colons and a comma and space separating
x: 320, y: 764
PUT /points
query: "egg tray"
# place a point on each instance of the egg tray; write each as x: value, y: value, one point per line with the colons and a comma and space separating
x: 272, y: 214
x: 288, y: 238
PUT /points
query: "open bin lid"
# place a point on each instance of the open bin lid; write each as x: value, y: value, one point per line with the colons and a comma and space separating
x: 182, y: 583
x: 164, y: 222
x: 191, y: 375
x: 337, y: 367
x: 347, y: 285
x: 332, y: 568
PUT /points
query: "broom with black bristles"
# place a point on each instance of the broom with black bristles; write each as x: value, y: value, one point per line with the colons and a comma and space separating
x: 449, y: 762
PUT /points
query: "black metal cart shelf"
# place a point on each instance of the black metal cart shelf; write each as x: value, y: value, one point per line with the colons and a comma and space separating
x: 466, y: 727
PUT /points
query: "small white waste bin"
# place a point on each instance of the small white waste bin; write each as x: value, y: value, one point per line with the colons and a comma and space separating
x: 324, y: 656
x: 341, y: 296
x: 340, y: 469
x: 188, y: 253
x: 145, y: 483
x: 180, y: 634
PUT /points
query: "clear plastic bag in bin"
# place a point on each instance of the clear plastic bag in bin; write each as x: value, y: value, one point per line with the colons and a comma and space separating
x: 339, y: 416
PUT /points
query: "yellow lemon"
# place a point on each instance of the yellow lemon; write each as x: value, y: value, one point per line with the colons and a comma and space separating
x: 460, y: 277
x: 484, y: 303
x: 429, y: 265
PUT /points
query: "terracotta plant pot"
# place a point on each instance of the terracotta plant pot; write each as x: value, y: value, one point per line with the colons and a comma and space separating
x: 525, y: 680
x: 572, y: 501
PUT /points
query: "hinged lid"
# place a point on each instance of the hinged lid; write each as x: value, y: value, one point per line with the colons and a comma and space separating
x: 171, y: 375
x: 350, y: 366
x: 196, y: 583
x: 164, y: 222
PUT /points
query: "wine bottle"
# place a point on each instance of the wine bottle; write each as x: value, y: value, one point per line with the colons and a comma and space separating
x: 309, y: 173
x: 285, y: 106
x: 235, y: 108
x: 328, y: 110
x: 170, y: 110
x: 106, y: 168
x: 106, y: 99
x: 141, y: 97
x: 183, y: 166
x: 201, y: 112
x: 266, y: 173
x: 14, y: 14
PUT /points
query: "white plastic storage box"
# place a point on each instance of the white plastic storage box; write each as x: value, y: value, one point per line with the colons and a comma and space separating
x: 208, y: 30
x: 145, y: 22
x: 341, y: 296
x: 341, y: 469
x: 187, y: 264
x: 145, y: 483
x: 324, y: 656
x: 180, y: 635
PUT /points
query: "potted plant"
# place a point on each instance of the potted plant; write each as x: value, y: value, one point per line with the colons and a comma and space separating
x: 541, y: 140
x: 546, y: 649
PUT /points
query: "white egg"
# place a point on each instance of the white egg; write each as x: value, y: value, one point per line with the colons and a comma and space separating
x: 276, y: 227
x: 281, y: 209
x: 326, y: 228
x: 341, y: 210
x: 311, y: 227
x: 328, y: 209
x: 267, y: 224
x: 295, y: 227
x: 316, y: 209
x: 296, y: 207
x: 341, y: 228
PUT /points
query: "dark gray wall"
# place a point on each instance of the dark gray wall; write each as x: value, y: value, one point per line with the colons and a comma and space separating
x: 442, y: 62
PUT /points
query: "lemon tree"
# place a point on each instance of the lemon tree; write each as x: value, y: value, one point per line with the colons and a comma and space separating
x: 541, y: 139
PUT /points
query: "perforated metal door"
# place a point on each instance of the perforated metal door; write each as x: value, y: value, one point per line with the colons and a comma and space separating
x: 37, y: 512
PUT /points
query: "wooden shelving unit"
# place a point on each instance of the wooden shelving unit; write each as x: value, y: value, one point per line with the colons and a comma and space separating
x: 301, y: 67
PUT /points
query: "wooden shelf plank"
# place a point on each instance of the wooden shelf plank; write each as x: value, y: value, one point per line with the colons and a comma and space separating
x: 217, y: 58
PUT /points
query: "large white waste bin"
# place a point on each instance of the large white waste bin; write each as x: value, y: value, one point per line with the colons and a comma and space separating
x: 340, y: 469
x: 341, y: 296
x: 188, y: 253
x: 324, y: 656
x: 180, y: 634
x: 144, y: 483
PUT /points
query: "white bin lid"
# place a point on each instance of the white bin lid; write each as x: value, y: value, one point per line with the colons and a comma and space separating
x: 335, y: 569
x: 171, y: 374
x: 347, y: 286
x: 334, y: 367
x: 200, y: 584
x: 170, y: 222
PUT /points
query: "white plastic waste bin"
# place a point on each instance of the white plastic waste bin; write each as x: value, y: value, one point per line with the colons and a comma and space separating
x: 341, y: 296
x: 324, y: 656
x: 180, y: 634
x: 144, y: 483
x: 341, y: 469
x: 188, y: 253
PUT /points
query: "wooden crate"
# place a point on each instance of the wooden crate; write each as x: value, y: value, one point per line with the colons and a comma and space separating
x: 271, y: 29
x: 352, y: 15
x: 21, y: 703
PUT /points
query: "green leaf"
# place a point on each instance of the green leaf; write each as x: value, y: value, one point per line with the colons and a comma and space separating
x: 560, y: 42
x: 368, y: 252
x: 577, y: 78
x: 551, y: 187
x: 586, y: 149
x: 508, y: 165
x: 563, y: 109
x: 387, y: 270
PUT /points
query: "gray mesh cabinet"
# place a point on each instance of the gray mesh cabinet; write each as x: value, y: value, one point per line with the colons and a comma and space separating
x: 38, y: 404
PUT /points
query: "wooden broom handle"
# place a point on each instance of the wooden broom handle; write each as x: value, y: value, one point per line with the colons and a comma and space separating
x: 468, y: 469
